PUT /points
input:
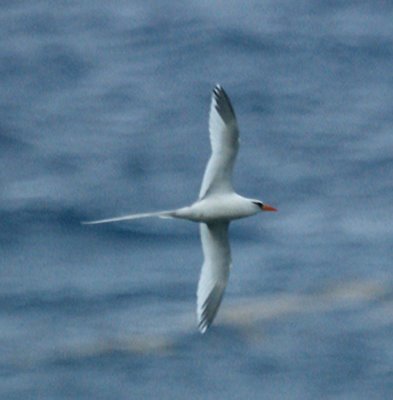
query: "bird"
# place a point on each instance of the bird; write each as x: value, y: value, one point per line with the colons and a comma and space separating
x: 216, y: 206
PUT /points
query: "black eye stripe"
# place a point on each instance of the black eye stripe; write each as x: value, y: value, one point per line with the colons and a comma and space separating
x: 259, y: 204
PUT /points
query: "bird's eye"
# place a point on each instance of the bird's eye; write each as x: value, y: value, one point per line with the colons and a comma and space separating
x: 259, y: 204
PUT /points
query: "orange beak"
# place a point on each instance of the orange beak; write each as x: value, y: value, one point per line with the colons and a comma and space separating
x: 266, y: 207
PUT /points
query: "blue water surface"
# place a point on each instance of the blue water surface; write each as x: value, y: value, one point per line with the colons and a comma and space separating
x: 103, y: 111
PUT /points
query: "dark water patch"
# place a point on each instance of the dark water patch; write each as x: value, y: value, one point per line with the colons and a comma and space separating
x: 13, y: 65
x: 381, y: 166
x: 260, y: 101
x: 11, y: 230
x: 159, y: 29
x: 36, y: 21
x: 347, y: 361
x: 69, y: 302
x: 358, y: 52
x: 75, y: 302
x: 299, y: 104
x: 250, y: 234
x: 39, y: 212
x: 123, y: 97
x: 60, y: 66
x: 62, y: 164
x: 263, y: 365
x: 136, y: 165
x: 10, y: 141
x: 101, y: 357
x: 241, y: 40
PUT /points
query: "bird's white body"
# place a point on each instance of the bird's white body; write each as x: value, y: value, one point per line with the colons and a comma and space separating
x: 217, y: 205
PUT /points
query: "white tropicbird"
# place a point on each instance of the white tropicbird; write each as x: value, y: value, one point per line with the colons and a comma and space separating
x: 216, y: 207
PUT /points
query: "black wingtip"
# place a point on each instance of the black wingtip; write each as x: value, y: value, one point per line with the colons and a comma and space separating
x: 202, y: 327
x: 222, y: 103
x: 217, y: 90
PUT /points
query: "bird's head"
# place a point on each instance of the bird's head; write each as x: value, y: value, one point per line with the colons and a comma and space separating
x: 263, y: 206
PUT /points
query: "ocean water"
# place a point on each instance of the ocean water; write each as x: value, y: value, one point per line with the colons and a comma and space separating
x: 103, y: 111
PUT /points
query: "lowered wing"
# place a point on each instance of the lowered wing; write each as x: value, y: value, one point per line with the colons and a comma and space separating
x: 215, y: 271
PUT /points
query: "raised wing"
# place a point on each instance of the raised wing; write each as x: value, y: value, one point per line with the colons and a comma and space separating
x: 224, y: 139
x: 215, y: 271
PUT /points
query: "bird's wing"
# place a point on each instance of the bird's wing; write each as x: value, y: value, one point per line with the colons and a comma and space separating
x: 215, y: 271
x: 224, y: 139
